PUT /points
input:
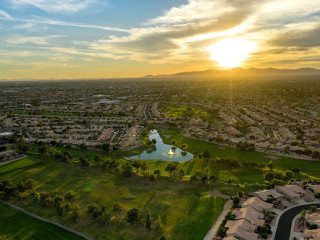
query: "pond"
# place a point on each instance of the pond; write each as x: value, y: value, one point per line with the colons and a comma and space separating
x: 163, y: 151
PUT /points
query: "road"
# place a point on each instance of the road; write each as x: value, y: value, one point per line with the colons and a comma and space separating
x: 285, y: 221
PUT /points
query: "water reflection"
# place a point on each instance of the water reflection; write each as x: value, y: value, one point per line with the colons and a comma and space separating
x: 163, y: 151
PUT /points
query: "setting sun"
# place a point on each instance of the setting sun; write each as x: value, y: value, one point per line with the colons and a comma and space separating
x: 231, y: 52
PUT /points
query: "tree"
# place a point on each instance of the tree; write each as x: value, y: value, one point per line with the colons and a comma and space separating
x: 171, y: 168
x: 287, y: 149
x: 93, y: 211
x: 144, y: 166
x: 127, y: 170
x: 184, y: 146
x: 236, y: 200
x: 98, y: 158
x: 148, y: 220
x: 65, y: 158
x: 307, y: 151
x: 289, y: 174
x: 152, y: 178
x: 204, y: 179
x: 136, y: 164
x: 314, y: 209
x: 316, y: 155
x: 84, y: 161
x: 75, y: 211
x: 83, y: 146
x: 268, y: 216
x: 3, y: 148
x: 31, y: 184
x: 105, y: 218
x: 71, y: 196
x: 22, y: 145
x: 181, y: 174
x: 157, y: 173
x: 133, y: 216
x: 106, y: 147
x: 240, y: 194
x: 206, y: 154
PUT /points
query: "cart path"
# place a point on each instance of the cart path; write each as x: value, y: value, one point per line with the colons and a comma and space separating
x: 45, y: 220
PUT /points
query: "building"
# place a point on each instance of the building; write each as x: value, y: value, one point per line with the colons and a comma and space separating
x: 313, y: 218
x: 241, y: 229
x: 312, y: 234
x: 257, y: 204
x: 291, y: 191
x: 265, y: 194
x: 315, y: 188
x: 230, y: 238
x: 250, y: 214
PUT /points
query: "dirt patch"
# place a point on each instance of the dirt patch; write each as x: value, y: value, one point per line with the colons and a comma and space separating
x: 221, y: 148
x: 217, y: 193
x: 272, y: 157
x: 167, y: 136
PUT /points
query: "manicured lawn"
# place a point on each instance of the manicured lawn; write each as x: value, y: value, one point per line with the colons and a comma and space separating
x: 186, y: 211
x: 17, y: 225
x: 310, y: 167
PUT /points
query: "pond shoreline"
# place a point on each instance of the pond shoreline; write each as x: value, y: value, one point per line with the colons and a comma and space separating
x: 161, y: 151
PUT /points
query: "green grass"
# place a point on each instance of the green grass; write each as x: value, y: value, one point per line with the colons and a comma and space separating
x: 17, y: 225
x: 182, y: 112
x: 187, y: 212
x: 309, y: 167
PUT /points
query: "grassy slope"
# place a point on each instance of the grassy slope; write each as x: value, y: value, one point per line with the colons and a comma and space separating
x: 187, y: 212
x: 17, y: 225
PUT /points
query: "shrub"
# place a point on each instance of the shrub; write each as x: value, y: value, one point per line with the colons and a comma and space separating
x: 3, y: 148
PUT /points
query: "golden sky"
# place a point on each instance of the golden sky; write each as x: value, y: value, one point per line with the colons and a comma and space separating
x: 122, y: 38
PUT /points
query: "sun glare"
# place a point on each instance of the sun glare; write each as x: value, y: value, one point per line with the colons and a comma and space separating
x: 231, y: 52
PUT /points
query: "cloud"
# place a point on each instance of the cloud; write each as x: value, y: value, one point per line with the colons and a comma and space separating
x: 23, y: 40
x: 283, y: 29
x: 53, y: 6
x: 173, y: 29
x: 24, y: 26
x: 303, y: 38
x: 186, y: 30
x: 193, y: 10
x: 5, y: 15
x: 47, y: 21
x: 61, y: 59
x: 38, y: 40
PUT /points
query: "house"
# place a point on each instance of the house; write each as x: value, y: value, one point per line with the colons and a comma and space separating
x: 265, y: 194
x: 313, y: 218
x: 312, y: 234
x: 315, y: 188
x: 230, y: 238
x: 291, y: 191
x: 250, y: 214
x: 257, y: 204
x: 241, y: 229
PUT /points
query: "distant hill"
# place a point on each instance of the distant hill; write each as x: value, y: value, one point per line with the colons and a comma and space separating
x: 240, y: 73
